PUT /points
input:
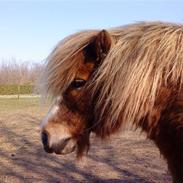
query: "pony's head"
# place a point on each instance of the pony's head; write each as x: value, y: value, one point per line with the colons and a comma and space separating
x: 103, y: 80
x: 68, y: 77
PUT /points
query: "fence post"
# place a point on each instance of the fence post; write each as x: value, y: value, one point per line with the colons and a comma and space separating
x: 18, y: 91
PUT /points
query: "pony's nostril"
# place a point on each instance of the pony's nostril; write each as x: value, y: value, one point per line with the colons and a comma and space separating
x: 45, y: 141
x: 44, y: 138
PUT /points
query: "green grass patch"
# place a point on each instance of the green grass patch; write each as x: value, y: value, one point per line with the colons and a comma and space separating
x: 16, y: 89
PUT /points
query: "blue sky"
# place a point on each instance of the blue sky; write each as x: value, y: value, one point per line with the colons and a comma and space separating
x: 29, y: 30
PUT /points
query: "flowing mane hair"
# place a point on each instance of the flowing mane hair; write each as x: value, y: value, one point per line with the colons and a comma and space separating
x: 143, y: 58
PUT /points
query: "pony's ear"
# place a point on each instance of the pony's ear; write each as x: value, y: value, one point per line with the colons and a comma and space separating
x: 98, y: 48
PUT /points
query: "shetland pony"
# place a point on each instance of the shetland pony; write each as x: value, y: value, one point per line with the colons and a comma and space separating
x: 103, y: 80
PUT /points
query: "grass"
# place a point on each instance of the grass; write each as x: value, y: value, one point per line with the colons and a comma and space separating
x: 30, y: 105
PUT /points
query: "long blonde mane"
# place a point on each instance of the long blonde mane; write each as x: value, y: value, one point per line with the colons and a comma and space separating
x: 143, y: 58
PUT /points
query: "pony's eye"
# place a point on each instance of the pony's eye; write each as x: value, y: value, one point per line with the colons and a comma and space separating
x: 78, y: 83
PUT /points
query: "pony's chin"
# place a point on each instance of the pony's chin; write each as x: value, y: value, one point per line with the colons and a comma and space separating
x: 65, y: 146
x: 64, y: 151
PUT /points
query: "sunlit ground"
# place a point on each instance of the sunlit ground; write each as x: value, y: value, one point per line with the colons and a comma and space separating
x: 125, y: 158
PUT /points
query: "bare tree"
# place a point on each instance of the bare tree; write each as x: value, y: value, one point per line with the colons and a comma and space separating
x: 14, y: 72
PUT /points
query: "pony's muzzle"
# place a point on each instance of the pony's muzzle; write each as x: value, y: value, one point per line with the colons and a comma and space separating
x: 64, y: 146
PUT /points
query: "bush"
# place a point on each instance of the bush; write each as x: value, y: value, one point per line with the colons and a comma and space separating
x: 16, y: 89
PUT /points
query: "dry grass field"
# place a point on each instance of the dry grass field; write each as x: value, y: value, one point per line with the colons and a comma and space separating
x: 125, y: 158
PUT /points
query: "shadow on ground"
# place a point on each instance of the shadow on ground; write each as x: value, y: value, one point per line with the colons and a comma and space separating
x: 126, y: 158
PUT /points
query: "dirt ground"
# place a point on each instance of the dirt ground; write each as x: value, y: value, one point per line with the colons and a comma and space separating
x: 125, y: 158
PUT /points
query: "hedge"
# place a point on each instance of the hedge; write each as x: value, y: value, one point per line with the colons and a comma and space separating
x: 16, y: 89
